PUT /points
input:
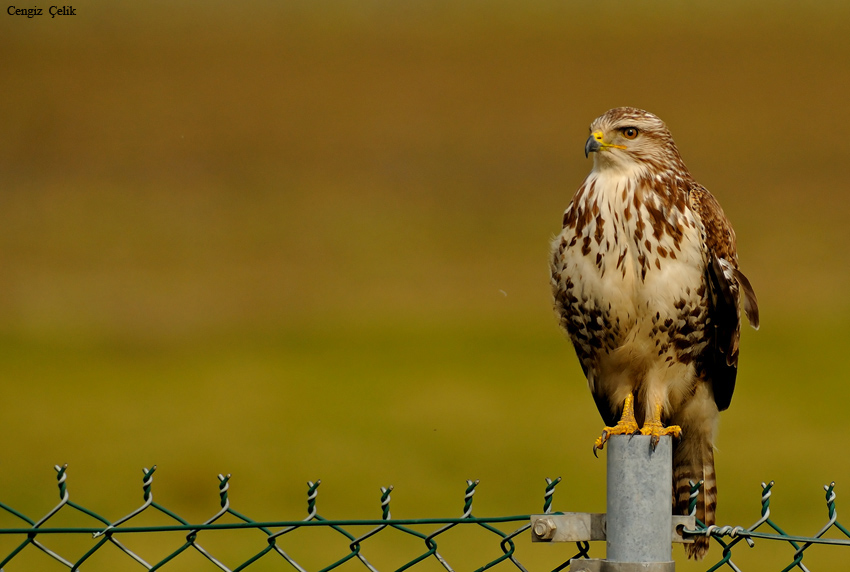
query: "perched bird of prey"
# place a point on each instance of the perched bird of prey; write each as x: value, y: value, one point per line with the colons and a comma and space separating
x: 646, y: 284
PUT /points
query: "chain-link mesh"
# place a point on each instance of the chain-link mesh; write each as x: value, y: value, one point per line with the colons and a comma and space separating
x: 274, y: 540
x: 735, y: 534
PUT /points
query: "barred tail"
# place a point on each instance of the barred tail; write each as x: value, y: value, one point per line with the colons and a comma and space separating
x: 693, y: 460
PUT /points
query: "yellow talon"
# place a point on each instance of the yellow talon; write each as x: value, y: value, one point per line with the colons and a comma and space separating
x: 654, y: 428
x: 627, y: 425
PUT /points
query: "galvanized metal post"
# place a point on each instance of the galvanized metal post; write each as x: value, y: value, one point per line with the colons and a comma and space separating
x: 639, y: 526
x: 639, y: 520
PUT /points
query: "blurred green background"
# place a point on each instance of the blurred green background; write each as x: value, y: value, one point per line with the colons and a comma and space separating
x: 298, y: 240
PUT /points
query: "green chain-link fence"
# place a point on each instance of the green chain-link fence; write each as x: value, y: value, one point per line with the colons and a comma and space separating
x: 765, y: 528
x: 272, y: 536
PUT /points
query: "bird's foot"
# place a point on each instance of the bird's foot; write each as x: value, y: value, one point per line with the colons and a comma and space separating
x: 627, y: 427
x: 657, y: 430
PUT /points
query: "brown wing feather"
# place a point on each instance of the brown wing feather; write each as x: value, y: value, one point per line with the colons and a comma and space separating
x: 720, y: 359
x: 751, y: 303
x: 720, y: 239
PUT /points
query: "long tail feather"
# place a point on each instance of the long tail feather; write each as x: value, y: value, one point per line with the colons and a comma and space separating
x: 693, y: 460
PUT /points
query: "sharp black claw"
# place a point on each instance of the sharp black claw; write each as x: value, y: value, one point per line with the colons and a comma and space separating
x: 654, y: 441
x: 595, y: 448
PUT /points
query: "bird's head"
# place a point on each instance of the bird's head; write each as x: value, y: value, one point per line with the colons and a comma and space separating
x: 627, y: 138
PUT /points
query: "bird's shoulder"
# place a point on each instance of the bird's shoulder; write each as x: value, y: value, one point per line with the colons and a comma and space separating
x: 718, y: 233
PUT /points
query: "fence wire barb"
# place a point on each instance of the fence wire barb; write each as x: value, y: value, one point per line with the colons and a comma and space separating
x: 274, y: 531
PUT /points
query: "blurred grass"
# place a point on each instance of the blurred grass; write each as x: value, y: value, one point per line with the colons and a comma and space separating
x: 302, y: 240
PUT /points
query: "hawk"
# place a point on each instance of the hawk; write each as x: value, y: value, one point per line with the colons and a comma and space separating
x: 646, y: 285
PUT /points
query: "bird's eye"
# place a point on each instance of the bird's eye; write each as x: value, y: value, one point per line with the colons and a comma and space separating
x: 629, y: 132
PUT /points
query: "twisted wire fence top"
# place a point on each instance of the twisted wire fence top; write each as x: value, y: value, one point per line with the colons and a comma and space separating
x: 35, y: 531
x: 107, y: 532
x: 749, y: 534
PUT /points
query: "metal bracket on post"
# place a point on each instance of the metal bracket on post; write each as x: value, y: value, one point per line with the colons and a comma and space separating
x: 588, y: 526
x: 594, y: 565
x: 638, y: 526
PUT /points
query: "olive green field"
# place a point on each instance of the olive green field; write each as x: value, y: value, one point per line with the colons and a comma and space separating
x: 300, y: 240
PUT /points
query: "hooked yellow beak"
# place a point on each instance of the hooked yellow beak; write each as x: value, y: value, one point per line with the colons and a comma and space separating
x: 595, y: 142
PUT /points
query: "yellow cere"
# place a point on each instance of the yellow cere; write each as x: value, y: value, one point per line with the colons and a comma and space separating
x: 598, y: 136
